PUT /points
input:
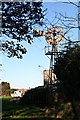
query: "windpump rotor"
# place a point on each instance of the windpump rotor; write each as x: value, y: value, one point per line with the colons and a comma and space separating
x: 54, y: 35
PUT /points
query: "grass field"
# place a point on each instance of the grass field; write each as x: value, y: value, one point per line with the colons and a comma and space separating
x: 11, y: 109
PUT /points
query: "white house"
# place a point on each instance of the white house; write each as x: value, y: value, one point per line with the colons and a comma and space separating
x: 18, y: 93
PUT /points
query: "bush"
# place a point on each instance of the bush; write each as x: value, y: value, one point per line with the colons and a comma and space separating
x: 39, y: 96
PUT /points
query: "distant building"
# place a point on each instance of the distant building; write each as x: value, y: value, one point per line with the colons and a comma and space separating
x: 18, y: 92
x: 48, y: 76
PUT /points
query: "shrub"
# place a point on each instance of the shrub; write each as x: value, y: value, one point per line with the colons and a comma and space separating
x: 39, y: 96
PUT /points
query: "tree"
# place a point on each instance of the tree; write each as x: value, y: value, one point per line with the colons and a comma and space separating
x: 67, y: 70
x: 5, y: 88
x: 18, y: 20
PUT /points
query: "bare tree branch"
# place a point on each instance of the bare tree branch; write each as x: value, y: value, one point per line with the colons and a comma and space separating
x: 71, y: 3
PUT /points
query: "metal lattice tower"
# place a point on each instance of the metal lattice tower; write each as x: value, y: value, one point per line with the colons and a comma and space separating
x: 53, y: 36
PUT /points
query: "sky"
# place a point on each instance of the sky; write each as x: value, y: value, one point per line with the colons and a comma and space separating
x: 26, y: 73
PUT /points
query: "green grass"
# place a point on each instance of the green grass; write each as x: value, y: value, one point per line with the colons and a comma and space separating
x: 12, y: 109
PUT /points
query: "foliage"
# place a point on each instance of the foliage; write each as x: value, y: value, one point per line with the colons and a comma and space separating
x: 67, y: 69
x: 39, y: 96
x: 5, y: 88
x: 18, y: 20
